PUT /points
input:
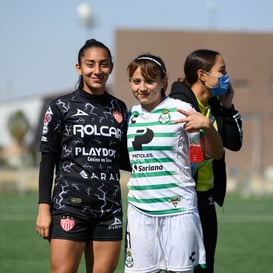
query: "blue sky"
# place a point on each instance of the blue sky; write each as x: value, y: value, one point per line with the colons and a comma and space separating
x: 40, y: 39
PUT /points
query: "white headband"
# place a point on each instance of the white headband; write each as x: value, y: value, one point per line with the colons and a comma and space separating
x: 153, y: 60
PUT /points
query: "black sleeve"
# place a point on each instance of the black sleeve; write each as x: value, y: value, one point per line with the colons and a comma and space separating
x: 123, y: 161
x: 46, y: 173
x: 232, y: 132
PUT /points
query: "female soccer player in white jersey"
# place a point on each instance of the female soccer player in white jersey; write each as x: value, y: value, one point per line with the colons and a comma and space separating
x: 163, y: 228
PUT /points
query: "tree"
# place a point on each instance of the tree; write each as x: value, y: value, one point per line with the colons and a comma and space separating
x: 18, y: 126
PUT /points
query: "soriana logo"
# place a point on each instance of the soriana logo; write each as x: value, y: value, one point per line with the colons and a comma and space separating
x: 67, y: 223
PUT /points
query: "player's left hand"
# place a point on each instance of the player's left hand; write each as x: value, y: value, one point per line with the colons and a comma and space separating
x: 194, y: 121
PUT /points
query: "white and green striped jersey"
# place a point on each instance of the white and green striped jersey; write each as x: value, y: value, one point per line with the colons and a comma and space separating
x: 161, y: 181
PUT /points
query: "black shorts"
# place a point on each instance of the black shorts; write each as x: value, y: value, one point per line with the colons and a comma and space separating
x: 65, y: 226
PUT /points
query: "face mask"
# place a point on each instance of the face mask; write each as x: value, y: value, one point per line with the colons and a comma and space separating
x: 222, y: 87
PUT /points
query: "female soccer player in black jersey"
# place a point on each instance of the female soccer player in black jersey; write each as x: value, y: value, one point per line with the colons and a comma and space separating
x: 84, y: 141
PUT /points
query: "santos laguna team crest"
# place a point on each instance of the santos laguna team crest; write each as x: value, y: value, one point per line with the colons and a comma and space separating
x: 67, y: 223
x: 117, y: 115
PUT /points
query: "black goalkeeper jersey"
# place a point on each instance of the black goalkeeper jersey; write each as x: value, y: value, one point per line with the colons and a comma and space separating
x: 87, y: 133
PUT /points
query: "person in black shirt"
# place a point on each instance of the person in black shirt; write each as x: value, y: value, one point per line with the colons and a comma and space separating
x: 84, y: 141
x: 206, y: 86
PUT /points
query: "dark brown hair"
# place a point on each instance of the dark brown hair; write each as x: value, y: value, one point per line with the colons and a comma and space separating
x: 89, y: 44
x: 151, y: 67
x: 199, y: 59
